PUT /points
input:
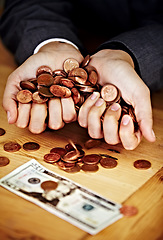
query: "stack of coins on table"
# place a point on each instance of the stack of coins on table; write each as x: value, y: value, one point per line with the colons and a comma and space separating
x: 75, y: 80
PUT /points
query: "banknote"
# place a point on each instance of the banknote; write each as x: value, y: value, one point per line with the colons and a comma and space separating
x: 59, y: 195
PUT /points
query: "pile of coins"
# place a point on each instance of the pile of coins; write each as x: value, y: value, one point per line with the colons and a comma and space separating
x: 72, y: 159
x: 75, y: 80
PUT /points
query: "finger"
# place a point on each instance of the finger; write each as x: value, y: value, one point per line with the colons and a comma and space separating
x: 23, y: 115
x: 129, y: 138
x: 38, y: 116
x: 110, y: 124
x: 85, y: 108
x: 94, y: 119
x: 55, y: 114
x: 68, y: 110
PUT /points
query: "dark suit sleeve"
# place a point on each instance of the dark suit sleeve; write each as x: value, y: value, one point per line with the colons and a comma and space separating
x: 26, y: 23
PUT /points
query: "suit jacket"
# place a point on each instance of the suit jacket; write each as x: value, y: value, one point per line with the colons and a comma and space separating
x: 133, y: 26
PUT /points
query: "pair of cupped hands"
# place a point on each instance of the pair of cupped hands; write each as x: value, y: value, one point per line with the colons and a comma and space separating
x: 113, y: 66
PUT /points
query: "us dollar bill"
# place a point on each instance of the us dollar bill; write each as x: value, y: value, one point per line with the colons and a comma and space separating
x: 70, y: 201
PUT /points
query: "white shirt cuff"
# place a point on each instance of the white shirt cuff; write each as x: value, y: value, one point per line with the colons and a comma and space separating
x: 53, y: 40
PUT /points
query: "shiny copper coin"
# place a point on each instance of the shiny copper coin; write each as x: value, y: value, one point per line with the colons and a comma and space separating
x: 11, y: 147
x: 4, y: 161
x: 70, y: 146
x: 108, y: 162
x: 91, y: 159
x: 2, y: 131
x: 92, y: 143
x: 85, y: 62
x: 49, y: 185
x: 90, y: 168
x: 75, y: 95
x: 44, y: 91
x: 28, y: 85
x: 85, y: 88
x: 59, y: 150
x: 92, y: 75
x: 59, y: 72
x: 60, y: 91
x: 74, y: 169
x: 67, y: 82
x: 128, y: 211
x: 65, y: 166
x: 43, y: 69
x: 38, y: 98
x: 31, y: 146
x: 57, y: 80
x: 24, y: 96
x: 52, y: 157
x: 78, y: 75
x: 70, y: 64
x: 71, y: 156
x: 45, y: 79
x: 142, y: 164
x: 109, y: 93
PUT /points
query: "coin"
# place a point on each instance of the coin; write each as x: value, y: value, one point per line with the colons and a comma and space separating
x: 71, y: 156
x: 11, y: 146
x: 38, y: 98
x: 45, y: 79
x: 92, y: 75
x: 65, y: 166
x: 28, y: 85
x: 128, y: 211
x: 70, y: 64
x: 74, y: 169
x: 109, y: 93
x: 108, y: 162
x: 59, y: 150
x: 85, y: 62
x: 67, y: 82
x: 79, y: 75
x: 91, y: 159
x: 70, y: 146
x: 31, y: 146
x: 2, y: 131
x: 43, y: 69
x: 90, y: 168
x: 24, y: 96
x: 60, y: 91
x: 34, y: 180
x: 142, y: 164
x: 44, y: 91
x: 51, y: 157
x: 59, y: 72
x: 4, y: 161
x: 49, y: 185
x: 75, y: 95
x: 92, y: 143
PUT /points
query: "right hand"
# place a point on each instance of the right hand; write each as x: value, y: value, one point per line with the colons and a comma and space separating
x: 32, y: 114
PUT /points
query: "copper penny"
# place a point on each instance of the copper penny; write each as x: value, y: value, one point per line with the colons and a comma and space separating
x: 43, y: 69
x: 11, y: 147
x: 71, y: 156
x: 86, y: 61
x: 92, y: 143
x: 51, y: 157
x: 57, y: 80
x: 44, y: 91
x: 59, y: 72
x: 91, y: 159
x: 108, y: 162
x: 4, y: 161
x: 70, y: 147
x: 59, y: 150
x: 79, y: 75
x: 45, y: 79
x: 24, y: 96
x: 28, y: 85
x: 31, y: 146
x: 67, y: 82
x: 128, y: 211
x: 2, y: 131
x: 75, y: 95
x: 60, y: 91
x: 49, y: 185
x: 142, y: 164
x: 70, y: 64
x: 74, y: 169
x: 65, y: 166
x: 92, y: 75
x: 109, y: 93
x: 38, y: 98
x: 90, y: 168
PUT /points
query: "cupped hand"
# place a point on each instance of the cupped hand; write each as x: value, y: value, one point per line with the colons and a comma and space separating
x: 117, y: 67
x: 32, y: 114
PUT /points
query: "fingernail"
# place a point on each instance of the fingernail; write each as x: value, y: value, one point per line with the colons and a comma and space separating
x: 153, y: 134
x: 99, y: 102
x: 125, y: 120
x: 94, y: 95
x: 115, y: 107
x: 8, y: 116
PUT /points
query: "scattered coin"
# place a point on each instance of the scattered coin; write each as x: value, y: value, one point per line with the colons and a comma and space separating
x: 128, y: 211
x: 59, y: 150
x: 31, y: 146
x: 24, y: 96
x: 11, y: 146
x: 43, y: 69
x: 49, y: 185
x: 142, y: 164
x: 2, y: 131
x: 109, y: 93
x: 34, y: 180
x: 92, y: 143
x: 108, y: 162
x: 52, y: 157
x: 90, y: 167
x: 4, y: 161
x: 70, y: 64
x: 91, y: 159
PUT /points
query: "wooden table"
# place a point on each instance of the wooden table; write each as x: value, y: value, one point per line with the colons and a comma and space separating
x: 143, y: 189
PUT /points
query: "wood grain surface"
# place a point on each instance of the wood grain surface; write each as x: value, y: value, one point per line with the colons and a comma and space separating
x: 21, y: 219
